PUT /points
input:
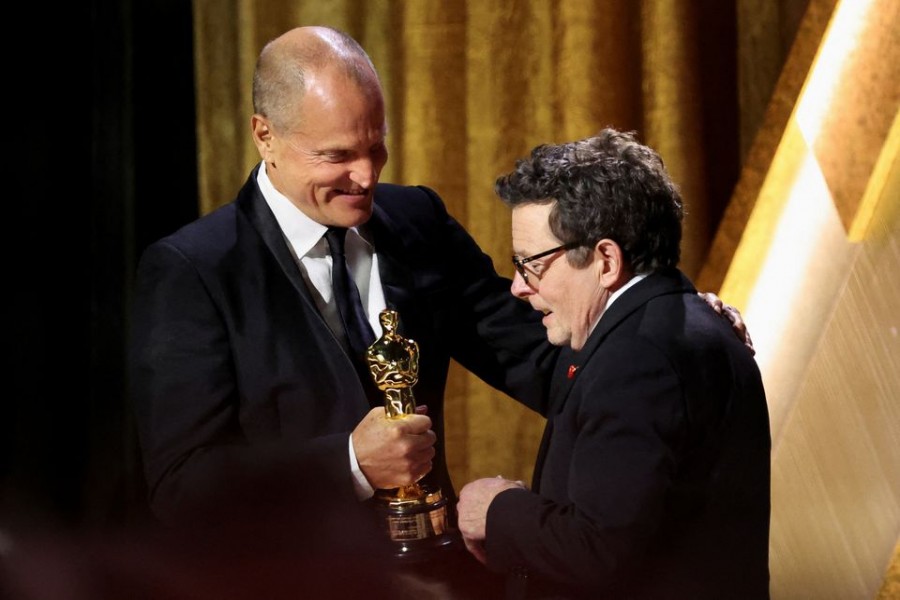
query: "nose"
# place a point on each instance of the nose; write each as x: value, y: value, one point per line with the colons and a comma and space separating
x: 519, y: 288
x: 364, y: 173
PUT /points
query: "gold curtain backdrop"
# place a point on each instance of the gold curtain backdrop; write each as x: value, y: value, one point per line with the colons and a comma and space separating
x: 470, y: 86
x: 714, y: 85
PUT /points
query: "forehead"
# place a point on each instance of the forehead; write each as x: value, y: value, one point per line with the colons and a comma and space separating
x: 531, y: 227
x: 336, y: 106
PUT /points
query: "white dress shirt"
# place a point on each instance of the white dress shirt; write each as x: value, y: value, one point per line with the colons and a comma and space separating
x: 306, y: 241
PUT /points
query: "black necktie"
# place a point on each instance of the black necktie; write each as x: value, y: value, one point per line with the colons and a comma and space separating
x: 356, y: 326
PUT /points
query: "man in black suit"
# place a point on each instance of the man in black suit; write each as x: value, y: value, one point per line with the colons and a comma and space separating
x: 248, y: 394
x: 652, y: 479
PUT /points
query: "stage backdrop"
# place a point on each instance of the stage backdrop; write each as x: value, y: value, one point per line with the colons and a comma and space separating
x: 471, y: 85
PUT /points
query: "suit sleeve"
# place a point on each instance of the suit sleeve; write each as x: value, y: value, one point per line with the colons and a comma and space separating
x: 625, y: 419
x: 493, y: 334
x: 186, y: 403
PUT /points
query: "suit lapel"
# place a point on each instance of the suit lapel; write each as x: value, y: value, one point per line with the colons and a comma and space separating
x: 253, y: 204
x: 564, y: 373
x: 570, y: 363
x: 670, y: 281
x: 397, y: 279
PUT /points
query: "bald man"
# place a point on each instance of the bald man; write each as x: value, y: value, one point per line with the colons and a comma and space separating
x: 247, y: 391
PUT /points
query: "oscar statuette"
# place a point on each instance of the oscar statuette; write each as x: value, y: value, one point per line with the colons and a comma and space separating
x: 415, y: 515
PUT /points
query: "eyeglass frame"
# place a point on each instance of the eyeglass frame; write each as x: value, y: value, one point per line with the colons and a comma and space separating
x: 519, y: 263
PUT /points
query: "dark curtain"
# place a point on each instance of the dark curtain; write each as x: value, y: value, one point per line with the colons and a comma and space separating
x: 103, y: 106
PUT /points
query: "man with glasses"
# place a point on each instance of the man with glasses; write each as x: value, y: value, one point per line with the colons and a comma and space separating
x: 520, y: 263
x: 652, y: 479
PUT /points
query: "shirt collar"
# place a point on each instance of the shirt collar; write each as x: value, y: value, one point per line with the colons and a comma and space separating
x: 622, y: 289
x: 615, y: 295
x: 302, y: 232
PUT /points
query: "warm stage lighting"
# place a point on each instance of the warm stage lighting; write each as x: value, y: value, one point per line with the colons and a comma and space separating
x: 795, y: 253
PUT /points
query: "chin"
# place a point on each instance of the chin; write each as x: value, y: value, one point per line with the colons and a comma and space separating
x: 354, y: 217
x: 557, y: 338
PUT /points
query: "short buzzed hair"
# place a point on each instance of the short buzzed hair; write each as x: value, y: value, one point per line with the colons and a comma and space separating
x: 283, y: 65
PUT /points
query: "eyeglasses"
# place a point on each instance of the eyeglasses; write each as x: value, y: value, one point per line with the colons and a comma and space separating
x: 521, y: 262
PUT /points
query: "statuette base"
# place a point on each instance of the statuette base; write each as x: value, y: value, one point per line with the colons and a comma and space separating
x: 416, y: 520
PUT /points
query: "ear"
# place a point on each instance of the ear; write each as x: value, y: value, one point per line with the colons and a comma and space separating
x: 262, y: 135
x: 612, y: 269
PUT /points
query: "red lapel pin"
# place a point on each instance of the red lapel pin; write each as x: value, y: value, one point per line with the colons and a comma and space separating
x: 571, y: 373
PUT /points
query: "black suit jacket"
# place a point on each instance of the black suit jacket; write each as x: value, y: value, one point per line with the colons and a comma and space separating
x: 652, y: 480
x: 239, y: 384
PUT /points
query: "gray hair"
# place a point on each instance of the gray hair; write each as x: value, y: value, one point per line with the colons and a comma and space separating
x: 606, y: 186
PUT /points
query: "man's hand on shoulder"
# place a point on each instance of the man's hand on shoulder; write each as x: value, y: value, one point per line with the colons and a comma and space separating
x: 733, y: 315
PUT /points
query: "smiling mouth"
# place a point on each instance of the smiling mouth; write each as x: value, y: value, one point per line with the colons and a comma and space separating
x: 361, y: 199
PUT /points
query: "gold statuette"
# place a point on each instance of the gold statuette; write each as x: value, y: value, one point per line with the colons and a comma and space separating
x: 415, y: 515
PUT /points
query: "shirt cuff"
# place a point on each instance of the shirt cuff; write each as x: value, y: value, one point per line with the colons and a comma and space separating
x: 364, y: 490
